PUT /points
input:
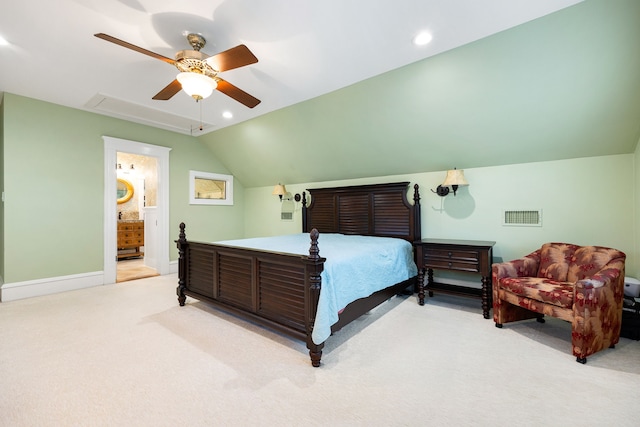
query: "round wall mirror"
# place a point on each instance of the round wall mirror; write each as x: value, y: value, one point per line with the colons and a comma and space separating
x: 124, y: 190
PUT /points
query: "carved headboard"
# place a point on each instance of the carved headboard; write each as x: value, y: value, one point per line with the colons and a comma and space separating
x: 371, y: 210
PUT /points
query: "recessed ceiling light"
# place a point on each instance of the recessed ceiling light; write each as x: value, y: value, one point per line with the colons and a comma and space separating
x: 422, y: 38
x: 227, y: 115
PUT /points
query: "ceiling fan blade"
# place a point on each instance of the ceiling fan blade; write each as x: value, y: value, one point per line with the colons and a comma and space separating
x: 235, y: 57
x: 134, y: 47
x: 170, y: 90
x: 237, y: 93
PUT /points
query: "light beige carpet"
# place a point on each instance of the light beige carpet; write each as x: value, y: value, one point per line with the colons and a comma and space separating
x: 130, y: 356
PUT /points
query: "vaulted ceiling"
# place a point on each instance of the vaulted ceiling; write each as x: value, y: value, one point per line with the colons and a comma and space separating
x: 344, y: 91
x: 304, y: 49
x: 562, y: 86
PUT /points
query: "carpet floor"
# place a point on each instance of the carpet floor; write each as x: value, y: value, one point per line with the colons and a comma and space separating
x: 130, y: 356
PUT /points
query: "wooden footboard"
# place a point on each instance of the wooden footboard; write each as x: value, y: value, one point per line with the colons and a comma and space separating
x: 281, y: 290
x: 278, y: 290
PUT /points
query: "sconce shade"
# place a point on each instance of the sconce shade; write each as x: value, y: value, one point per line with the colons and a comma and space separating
x: 455, y: 177
x: 279, y: 190
x: 196, y: 85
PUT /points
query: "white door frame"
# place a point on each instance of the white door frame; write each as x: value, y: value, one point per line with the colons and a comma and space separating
x: 111, y: 148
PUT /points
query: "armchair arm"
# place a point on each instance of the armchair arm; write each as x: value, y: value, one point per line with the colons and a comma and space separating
x: 521, y: 267
x: 597, y: 309
x: 611, y: 276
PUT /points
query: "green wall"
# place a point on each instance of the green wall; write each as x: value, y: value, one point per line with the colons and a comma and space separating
x: 635, y: 198
x: 583, y: 201
x: 52, y: 156
x: 52, y: 174
x: 53, y: 171
x: 2, y: 250
x: 562, y: 86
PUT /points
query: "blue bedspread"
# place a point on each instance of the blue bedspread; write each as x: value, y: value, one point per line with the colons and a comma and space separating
x: 356, y: 267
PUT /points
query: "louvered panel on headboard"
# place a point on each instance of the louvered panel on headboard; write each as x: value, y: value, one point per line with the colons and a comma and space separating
x: 388, y: 220
x: 353, y: 215
x: 324, y: 215
x: 374, y: 210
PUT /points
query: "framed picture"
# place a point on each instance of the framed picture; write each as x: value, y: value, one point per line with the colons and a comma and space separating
x: 210, y: 188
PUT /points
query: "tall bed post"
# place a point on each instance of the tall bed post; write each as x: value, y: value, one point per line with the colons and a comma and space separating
x: 182, y: 267
x: 315, y: 284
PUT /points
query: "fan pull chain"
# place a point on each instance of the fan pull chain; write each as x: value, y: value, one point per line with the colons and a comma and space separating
x: 200, y: 116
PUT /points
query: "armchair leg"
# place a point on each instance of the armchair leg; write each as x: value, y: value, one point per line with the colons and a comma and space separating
x: 540, y: 319
x: 498, y: 325
x: 582, y: 360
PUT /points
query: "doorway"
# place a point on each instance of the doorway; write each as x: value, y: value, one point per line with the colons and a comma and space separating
x: 156, y: 227
x: 137, y: 185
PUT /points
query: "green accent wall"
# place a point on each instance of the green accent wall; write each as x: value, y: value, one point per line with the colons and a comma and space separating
x: 634, y: 206
x: 562, y: 86
x: 586, y: 201
x: 53, y: 179
x: 521, y: 99
x: 2, y: 250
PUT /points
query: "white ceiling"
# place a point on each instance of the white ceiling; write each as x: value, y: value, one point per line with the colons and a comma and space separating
x: 305, y: 48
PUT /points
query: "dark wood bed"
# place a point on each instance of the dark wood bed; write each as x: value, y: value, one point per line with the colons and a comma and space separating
x: 281, y: 290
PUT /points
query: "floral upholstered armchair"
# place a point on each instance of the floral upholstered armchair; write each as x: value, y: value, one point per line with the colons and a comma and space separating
x: 583, y: 285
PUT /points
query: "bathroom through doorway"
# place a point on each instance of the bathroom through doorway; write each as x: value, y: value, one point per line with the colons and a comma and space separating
x: 137, y: 185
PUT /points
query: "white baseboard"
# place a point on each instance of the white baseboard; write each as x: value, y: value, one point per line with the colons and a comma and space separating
x: 51, y: 285
x: 173, y: 267
x: 54, y: 285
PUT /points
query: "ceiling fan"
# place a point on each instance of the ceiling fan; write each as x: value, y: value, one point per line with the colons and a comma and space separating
x: 198, y: 75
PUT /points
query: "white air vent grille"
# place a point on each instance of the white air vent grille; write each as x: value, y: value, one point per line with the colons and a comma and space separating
x: 522, y: 218
x: 148, y: 116
x: 286, y: 211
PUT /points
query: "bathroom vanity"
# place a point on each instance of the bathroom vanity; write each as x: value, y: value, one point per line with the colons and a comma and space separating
x: 130, y: 238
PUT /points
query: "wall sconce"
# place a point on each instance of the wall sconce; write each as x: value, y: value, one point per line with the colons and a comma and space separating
x: 280, y: 191
x: 454, y: 179
x: 119, y: 168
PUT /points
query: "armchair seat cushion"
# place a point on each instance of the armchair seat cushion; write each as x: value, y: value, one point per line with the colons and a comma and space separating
x: 541, y: 289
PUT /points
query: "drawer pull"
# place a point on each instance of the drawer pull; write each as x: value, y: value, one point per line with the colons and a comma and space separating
x: 450, y: 265
x: 449, y: 254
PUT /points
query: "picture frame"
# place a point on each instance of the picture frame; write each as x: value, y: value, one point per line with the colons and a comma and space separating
x: 206, y: 188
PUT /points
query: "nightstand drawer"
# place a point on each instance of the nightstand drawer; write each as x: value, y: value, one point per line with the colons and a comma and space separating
x: 452, y: 253
x: 452, y: 259
x: 452, y: 264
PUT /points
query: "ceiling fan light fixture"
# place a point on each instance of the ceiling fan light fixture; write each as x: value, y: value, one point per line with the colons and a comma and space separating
x: 196, y: 85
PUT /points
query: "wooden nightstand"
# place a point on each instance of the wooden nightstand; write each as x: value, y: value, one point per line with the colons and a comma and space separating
x: 469, y: 256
